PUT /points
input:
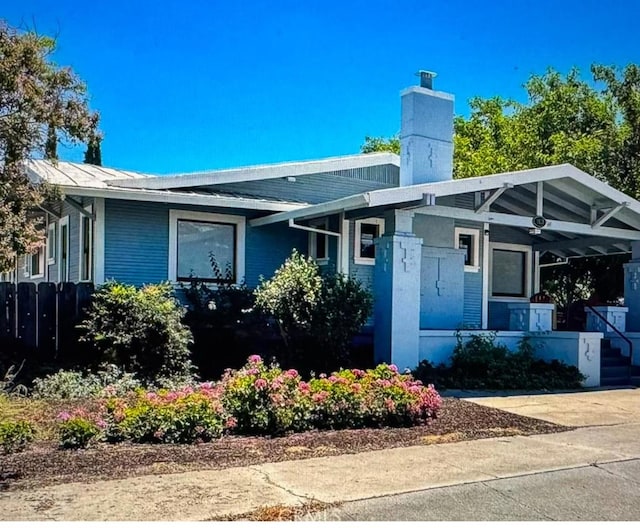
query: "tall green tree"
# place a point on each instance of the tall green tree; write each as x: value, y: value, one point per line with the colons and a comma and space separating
x: 40, y: 104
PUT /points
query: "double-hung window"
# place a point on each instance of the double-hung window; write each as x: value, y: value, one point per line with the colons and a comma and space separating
x: 207, y: 247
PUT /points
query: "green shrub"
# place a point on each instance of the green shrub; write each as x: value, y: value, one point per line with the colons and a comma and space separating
x: 76, y: 432
x: 108, y: 380
x: 139, y: 329
x: 317, y: 316
x: 480, y: 363
x: 15, y: 435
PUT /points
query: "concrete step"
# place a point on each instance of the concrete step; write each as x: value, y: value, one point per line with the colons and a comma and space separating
x: 617, y: 361
x: 614, y: 372
x: 610, y: 352
x: 614, y: 382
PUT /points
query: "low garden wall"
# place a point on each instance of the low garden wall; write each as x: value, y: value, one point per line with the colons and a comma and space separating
x: 579, y: 349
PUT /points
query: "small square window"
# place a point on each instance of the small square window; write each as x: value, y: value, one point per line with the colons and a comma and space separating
x: 468, y: 240
x: 366, y: 231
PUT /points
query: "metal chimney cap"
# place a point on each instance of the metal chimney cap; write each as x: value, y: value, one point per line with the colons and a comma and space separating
x: 426, y: 78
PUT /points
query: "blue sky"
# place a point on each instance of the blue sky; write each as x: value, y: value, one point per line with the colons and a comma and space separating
x: 193, y: 85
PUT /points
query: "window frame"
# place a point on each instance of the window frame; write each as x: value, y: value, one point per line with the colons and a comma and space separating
x: 41, y: 263
x: 322, y: 223
x: 52, y: 243
x: 357, y: 235
x: 475, y: 247
x: 528, y: 271
x: 81, y: 230
x: 63, y: 222
x: 239, y: 222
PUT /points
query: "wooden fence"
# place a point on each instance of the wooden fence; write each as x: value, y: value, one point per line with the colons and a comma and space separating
x: 41, y: 318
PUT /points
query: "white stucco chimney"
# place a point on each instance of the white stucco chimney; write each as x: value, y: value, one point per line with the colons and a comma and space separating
x: 426, y: 133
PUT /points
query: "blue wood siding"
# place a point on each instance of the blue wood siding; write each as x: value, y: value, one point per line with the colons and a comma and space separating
x: 137, y: 243
x: 268, y: 247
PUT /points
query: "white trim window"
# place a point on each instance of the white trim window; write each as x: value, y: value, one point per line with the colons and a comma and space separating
x: 366, y: 231
x: 51, y: 243
x: 319, y: 243
x: 35, y: 264
x: 63, y: 249
x: 510, y: 271
x: 196, y: 239
x: 469, y: 240
x: 85, y: 247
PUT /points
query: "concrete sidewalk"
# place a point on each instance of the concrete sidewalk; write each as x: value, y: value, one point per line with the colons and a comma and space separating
x: 202, y: 495
x: 575, y: 409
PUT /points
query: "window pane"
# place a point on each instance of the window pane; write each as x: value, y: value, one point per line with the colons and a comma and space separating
x: 367, y: 233
x: 35, y: 264
x: 321, y: 245
x: 466, y: 242
x: 85, y: 271
x: 509, y: 273
x: 196, y: 241
x: 51, y: 242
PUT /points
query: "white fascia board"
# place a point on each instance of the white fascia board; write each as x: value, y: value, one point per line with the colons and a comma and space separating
x: 261, y: 172
x: 525, y: 222
x: 356, y: 201
x: 144, y: 195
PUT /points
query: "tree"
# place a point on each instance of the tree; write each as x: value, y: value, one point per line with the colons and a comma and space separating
x: 381, y: 144
x: 40, y: 104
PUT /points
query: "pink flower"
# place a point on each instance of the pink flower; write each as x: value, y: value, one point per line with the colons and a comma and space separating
x: 319, y: 397
x: 231, y: 423
x: 356, y: 387
x: 292, y: 373
x: 303, y: 386
x: 159, y: 434
x: 253, y: 372
x: 358, y: 373
x: 101, y: 424
x: 333, y: 379
x: 64, y: 416
x: 393, y: 368
x: 322, y: 376
x: 260, y: 383
x: 255, y: 359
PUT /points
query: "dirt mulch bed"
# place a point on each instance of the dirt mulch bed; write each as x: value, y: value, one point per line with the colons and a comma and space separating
x: 458, y: 420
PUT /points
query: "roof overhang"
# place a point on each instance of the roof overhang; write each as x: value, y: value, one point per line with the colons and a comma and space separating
x: 185, y: 198
x: 261, y: 172
x: 583, y: 215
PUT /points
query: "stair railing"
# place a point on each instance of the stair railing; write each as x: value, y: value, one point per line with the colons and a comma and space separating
x: 620, y: 334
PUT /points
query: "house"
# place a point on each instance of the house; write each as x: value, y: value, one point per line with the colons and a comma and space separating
x: 439, y: 254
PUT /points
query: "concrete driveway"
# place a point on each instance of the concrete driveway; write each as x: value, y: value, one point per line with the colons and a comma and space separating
x: 575, y: 409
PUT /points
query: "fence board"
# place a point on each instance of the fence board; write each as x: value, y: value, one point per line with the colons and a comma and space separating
x: 66, y: 317
x: 27, y: 319
x: 7, y: 311
x: 47, y: 319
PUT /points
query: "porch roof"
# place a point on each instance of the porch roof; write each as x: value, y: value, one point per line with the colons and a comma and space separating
x: 582, y: 215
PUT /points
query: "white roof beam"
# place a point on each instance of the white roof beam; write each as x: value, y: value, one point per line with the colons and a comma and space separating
x: 484, y: 206
x: 600, y: 221
x: 525, y: 222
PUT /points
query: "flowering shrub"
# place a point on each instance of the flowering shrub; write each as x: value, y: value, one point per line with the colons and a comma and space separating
x: 185, y: 416
x: 266, y: 400
x: 76, y: 431
x: 15, y: 435
x: 373, y: 398
x: 257, y: 399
